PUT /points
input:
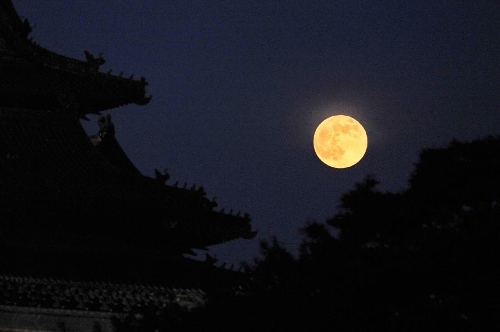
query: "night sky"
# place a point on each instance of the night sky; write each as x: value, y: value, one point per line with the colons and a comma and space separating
x: 239, y: 87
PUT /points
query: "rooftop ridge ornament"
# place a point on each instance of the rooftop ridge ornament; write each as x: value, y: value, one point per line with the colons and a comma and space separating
x: 30, y: 67
x: 12, y: 22
x: 26, y: 28
x: 94, y: 62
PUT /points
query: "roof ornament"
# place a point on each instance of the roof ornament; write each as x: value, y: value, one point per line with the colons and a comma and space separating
x: 162, y: 177
x: 213, y: 203
x: 26, y: 28
x: 94, y: 62
x: 106, y: 127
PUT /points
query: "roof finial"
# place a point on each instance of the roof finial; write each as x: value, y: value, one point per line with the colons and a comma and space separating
x: 26, y: 28
x: 94, y: 62
x: 106, y: 127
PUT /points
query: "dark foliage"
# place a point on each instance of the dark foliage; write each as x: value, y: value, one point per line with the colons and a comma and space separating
x: 425, y: 259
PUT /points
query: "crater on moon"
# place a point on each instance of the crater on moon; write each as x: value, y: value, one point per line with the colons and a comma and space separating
x: 340, y: 141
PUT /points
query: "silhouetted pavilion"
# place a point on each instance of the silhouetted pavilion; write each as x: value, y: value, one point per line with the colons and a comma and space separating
x: 76, y: 214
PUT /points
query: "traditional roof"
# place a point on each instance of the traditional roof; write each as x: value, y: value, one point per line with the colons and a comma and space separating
x: 95, y: 296
x: 74, y: 206
x: 51, y: 304
x: 52, y: 174
x: 64, y: 194
x: 33, y: 77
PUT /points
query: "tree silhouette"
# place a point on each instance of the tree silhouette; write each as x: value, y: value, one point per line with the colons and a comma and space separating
x: 424, y: 259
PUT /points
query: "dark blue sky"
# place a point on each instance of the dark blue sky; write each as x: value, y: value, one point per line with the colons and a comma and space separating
x: 240, y: 86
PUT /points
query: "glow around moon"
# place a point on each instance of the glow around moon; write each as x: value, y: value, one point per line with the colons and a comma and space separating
x: 340, y: 141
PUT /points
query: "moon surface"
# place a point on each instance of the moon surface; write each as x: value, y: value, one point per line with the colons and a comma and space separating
x: 340, y: 141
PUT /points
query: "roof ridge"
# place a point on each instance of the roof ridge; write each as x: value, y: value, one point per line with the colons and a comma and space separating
x: 94, y: 282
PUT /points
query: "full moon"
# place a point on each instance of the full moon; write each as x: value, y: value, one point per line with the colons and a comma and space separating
x: 340, y: 141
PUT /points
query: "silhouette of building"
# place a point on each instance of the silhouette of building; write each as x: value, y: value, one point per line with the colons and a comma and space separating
x: 85, y: 238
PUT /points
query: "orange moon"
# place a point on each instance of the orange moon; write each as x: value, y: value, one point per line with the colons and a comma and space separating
x: 340, y: 141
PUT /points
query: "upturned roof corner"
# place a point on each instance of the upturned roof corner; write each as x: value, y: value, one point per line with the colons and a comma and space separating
x: 33, y: 76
